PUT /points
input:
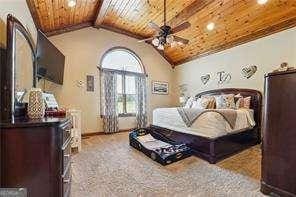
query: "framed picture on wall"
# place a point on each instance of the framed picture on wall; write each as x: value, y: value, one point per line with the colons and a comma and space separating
x: 90, y: 85
x: 159, y: 87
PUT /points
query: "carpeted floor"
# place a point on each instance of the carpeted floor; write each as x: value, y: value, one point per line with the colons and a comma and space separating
x: 108, y: 166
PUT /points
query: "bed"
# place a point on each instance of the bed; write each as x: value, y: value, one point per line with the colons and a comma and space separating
x: 209, y: 137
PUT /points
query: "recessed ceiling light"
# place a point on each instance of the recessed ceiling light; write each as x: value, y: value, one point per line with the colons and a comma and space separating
x: 211, y: 26
x: 71, y: 3
x: 261, y: 2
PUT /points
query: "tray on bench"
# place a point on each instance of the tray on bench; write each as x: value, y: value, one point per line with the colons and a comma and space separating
x: 158, y: 148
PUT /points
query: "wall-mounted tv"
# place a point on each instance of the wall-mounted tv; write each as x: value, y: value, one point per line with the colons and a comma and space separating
x: 50, y: 61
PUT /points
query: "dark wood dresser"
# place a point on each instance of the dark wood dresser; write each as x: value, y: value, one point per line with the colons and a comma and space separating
x: 279, y: 135
x: 36, y: 154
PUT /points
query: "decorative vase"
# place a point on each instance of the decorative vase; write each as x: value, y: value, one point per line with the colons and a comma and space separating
x: 36, y: 107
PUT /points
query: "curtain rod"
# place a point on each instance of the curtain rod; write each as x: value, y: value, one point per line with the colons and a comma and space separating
x: 122, y: 71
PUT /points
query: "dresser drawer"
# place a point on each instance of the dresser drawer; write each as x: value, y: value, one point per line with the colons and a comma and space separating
x: 66, y: 135
x: 67, y: 178
x: 66, y: 130
x: 66, y: 152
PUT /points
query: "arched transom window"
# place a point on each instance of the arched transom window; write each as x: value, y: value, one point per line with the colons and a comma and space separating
x: 127, y: 66
x: 122, y: 59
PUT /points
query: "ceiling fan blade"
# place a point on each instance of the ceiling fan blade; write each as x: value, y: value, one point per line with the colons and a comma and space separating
x: 179, y: 39
x: 154, y: 26
x: 146, y: 39
x: 180, y: 27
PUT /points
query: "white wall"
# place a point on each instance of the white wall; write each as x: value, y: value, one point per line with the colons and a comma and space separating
x: 266, y: 53
x: 83, y: 50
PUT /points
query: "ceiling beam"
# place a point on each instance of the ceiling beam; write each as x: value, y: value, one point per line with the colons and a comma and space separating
x: 102, y: 12
x: 69, y: 28
x: 98, y: 11
x: 189, y: 11
x: 242, y: 40
x: 120, y: 31
x: 34, y: 13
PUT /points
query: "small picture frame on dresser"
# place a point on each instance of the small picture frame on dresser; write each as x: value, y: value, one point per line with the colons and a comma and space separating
x: 159, y: 87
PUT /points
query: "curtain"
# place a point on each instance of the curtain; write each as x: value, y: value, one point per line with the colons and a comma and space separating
x: 141, y: 101
x: 108, y: 102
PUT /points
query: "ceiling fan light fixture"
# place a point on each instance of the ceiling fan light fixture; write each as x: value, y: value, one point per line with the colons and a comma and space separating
x: 164, y: 35
x: 155, y: 42
x: 170, y: 39
x: 211, y: 26
x: 160, y: 47
x: 261, y: 2
x: 71, y: 3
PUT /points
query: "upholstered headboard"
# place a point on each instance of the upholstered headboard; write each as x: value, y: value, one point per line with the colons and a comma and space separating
x: 256, y: 99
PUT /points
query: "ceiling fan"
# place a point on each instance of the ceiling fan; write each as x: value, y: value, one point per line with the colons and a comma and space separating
x: 164, y: 35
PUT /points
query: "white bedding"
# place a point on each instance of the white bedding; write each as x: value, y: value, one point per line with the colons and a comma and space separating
x: 210, y: 124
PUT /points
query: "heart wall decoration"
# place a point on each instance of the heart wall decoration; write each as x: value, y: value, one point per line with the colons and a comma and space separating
x: 223, y: 77
x: 205, y: 78
x: 249, y: 71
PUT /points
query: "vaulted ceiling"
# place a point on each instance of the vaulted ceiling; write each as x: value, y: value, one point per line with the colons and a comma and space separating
x: 236, y: 21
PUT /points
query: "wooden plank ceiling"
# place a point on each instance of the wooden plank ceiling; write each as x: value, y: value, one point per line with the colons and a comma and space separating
x: 236, y: 21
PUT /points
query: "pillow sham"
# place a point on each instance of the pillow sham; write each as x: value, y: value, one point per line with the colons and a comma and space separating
x: 189, y: 102
x: 212, y: 103
x: 208, y: 102
x: 197, y: 104
x: 247, y: 102
x: 242, y: 102
x: 239, y: 103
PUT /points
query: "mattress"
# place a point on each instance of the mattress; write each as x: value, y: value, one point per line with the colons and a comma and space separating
x: 210, y: 124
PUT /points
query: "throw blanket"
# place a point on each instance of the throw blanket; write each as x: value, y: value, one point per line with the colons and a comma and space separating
x: 189, y: 115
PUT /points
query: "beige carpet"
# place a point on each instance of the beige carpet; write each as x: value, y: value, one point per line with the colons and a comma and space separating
x: 108, y: 166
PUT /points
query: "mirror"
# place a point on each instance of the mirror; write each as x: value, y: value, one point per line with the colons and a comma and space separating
x: 23, y: 68
x: 18, y: 75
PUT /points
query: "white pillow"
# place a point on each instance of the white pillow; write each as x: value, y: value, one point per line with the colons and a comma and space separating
x: 197, y: 104
x: 189, y: 102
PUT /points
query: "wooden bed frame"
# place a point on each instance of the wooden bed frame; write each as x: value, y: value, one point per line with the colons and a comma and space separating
x: 216, y: 149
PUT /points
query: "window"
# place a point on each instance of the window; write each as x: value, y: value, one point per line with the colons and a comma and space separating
x: 127, y: 66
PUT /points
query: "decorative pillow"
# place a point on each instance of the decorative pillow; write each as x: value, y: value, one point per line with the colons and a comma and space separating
x: 247, y: 102
x: 212, y: 103
x: 189, y: 102
x: 225, y: 101
x: 239, y: 103
x: 237, y: 96
x: 208, y: 102
x: 242, y: 102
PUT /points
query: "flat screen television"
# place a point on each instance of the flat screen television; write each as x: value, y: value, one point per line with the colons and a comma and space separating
x: 50, y: 61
